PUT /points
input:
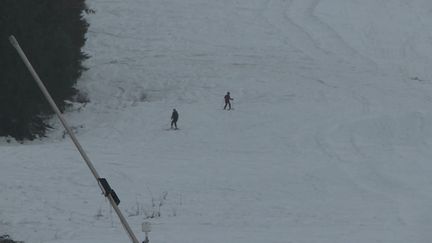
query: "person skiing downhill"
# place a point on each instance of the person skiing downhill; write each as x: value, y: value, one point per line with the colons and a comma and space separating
x: 174, y: 118
x: 227, y: 101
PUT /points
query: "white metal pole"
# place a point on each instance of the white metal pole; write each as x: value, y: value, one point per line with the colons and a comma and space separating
x: 45, y: 92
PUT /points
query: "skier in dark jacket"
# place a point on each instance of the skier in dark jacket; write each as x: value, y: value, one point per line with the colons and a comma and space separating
x: 227, y: 101
x: 174, y: 118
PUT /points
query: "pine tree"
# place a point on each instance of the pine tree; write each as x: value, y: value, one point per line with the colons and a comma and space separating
x: 52, y: 33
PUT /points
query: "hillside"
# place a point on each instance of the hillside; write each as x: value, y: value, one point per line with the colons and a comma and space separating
x: 329, y: 140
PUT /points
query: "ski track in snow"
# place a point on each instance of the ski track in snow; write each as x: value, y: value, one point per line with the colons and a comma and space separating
x: 296, y: 19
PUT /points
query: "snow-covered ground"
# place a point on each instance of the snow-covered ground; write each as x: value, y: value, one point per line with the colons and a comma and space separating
x: 329, y: 141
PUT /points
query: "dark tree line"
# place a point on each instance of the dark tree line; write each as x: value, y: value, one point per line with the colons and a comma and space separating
x: 7, y: 239
x: 52, y: 34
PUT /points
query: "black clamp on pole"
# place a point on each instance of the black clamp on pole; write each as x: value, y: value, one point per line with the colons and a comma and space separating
x: 108, y: 190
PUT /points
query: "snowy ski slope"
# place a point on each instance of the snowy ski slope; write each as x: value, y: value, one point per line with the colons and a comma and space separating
x: 329, y: 141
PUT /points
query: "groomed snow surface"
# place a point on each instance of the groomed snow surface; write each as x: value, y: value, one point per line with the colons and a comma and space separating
x: 330, y: 139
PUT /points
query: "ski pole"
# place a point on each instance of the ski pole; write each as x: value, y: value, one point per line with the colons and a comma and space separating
x: 103, y: 184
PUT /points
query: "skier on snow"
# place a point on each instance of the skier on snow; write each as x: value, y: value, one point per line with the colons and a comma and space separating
x: 227, y: 101
x: 174, y: 118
